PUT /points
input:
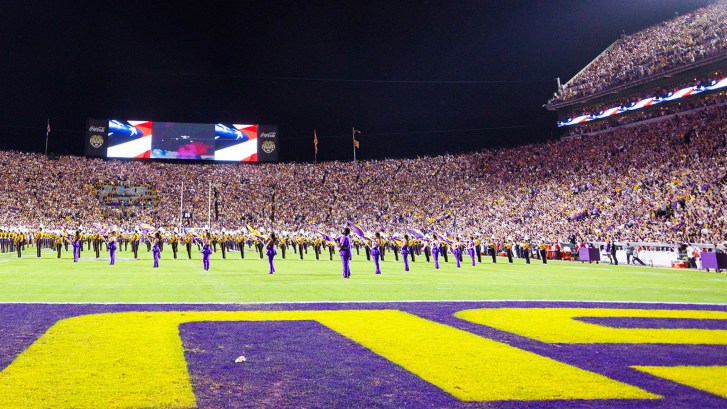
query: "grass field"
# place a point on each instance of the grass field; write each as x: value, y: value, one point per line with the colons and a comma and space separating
x: 91, y: 335
x: 238, y: 281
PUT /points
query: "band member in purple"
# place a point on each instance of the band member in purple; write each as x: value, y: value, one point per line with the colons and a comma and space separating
x: 435, y: 252
x: 156, y: 249
x: 270, y: 251
x: 206, y: 252
x: 76, y: 246
x: 376, y: 251
x: 111, y: 245
x: 344, y: 246
x: 344, y: 249
x: 405, y: 250
x: 457, y: 251
x: 471, y: 249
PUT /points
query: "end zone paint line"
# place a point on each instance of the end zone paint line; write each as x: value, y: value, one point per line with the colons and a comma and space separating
x: 364, y: 302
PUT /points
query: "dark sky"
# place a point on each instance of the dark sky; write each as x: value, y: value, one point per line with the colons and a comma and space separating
x: 397, y: 70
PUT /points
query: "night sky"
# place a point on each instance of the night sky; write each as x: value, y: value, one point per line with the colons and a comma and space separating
x: 400, y: 71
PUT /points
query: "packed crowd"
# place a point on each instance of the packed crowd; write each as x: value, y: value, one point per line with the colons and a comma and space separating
x: 642, y: 183
x: 682, y: 40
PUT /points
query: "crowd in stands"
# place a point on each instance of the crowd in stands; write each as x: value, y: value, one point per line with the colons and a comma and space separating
x: 661, y: 182
x: 677, y: 42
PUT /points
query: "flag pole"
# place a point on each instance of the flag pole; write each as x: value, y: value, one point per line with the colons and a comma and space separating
x: 353, y: 137
x: 47, y: 131
x: 181, y: 200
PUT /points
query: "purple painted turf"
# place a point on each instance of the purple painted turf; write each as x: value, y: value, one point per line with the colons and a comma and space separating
x: 689, y: 323
x: 303, y: 364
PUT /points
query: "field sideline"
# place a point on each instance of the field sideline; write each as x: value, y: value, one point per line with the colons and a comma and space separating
x: 243, y: 281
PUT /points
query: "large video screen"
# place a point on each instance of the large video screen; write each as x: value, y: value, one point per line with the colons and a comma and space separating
x: 186, y: 141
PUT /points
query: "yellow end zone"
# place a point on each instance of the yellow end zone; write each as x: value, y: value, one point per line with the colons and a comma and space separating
x: 559, y: 325
x: 712, y: 379
x: 136, y: 360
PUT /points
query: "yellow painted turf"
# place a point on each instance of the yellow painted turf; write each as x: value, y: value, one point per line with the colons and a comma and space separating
x: 560, y: 326
x: 712, y: 379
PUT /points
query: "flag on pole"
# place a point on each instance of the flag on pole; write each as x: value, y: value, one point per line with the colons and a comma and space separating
x: 355, y: 142
x: 315, y: 142
x: 47, y: 129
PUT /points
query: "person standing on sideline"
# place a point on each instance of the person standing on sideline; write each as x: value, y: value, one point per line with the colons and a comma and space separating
x: 526, y: 251
x: 629, y: 253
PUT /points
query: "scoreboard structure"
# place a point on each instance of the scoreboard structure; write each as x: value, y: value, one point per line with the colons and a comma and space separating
x: 127, y: 139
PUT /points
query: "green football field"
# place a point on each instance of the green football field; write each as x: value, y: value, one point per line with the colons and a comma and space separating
x: 239, y: 281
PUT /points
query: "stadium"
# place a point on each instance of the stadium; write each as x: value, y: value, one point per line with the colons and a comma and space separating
x: 205, y: 265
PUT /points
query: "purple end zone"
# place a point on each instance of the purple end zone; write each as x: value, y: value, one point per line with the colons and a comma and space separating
x: 304, y: 364
x: 296, y: 364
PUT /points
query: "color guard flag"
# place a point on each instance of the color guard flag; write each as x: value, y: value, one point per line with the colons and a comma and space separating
x: 358, y: 230
x: 47, y: 129
x: 255, y: 233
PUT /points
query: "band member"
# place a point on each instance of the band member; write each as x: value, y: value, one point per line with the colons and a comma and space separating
x: 375, y: 252
x: 405, y: 250
x: 260, y: 245
x: 526, y: 252
x: 283, y: 246
x: 331, y: 249
x: 188, y: 244
x: 19, y: 243
x: 174, y: 241
x: 97, y: 244
x: 241, y: 245
x: 112, y: 247
x: 206, y: 252
x: 492, y: 250
x: 471, y: 247
x: 508, y: 250
x: 58, y: 244
x: 38, y: 237
x: 270, y: 251
x: 135, y: 243
x: 543, y: 253
x: 478, y: 249
x: 300, y: 247
x: 435, y: 252
x: 344, y: 249
x: 156, y: 249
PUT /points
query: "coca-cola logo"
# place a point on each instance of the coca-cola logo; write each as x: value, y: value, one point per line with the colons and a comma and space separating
x: 267, y: 135
x: 96, y: 129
